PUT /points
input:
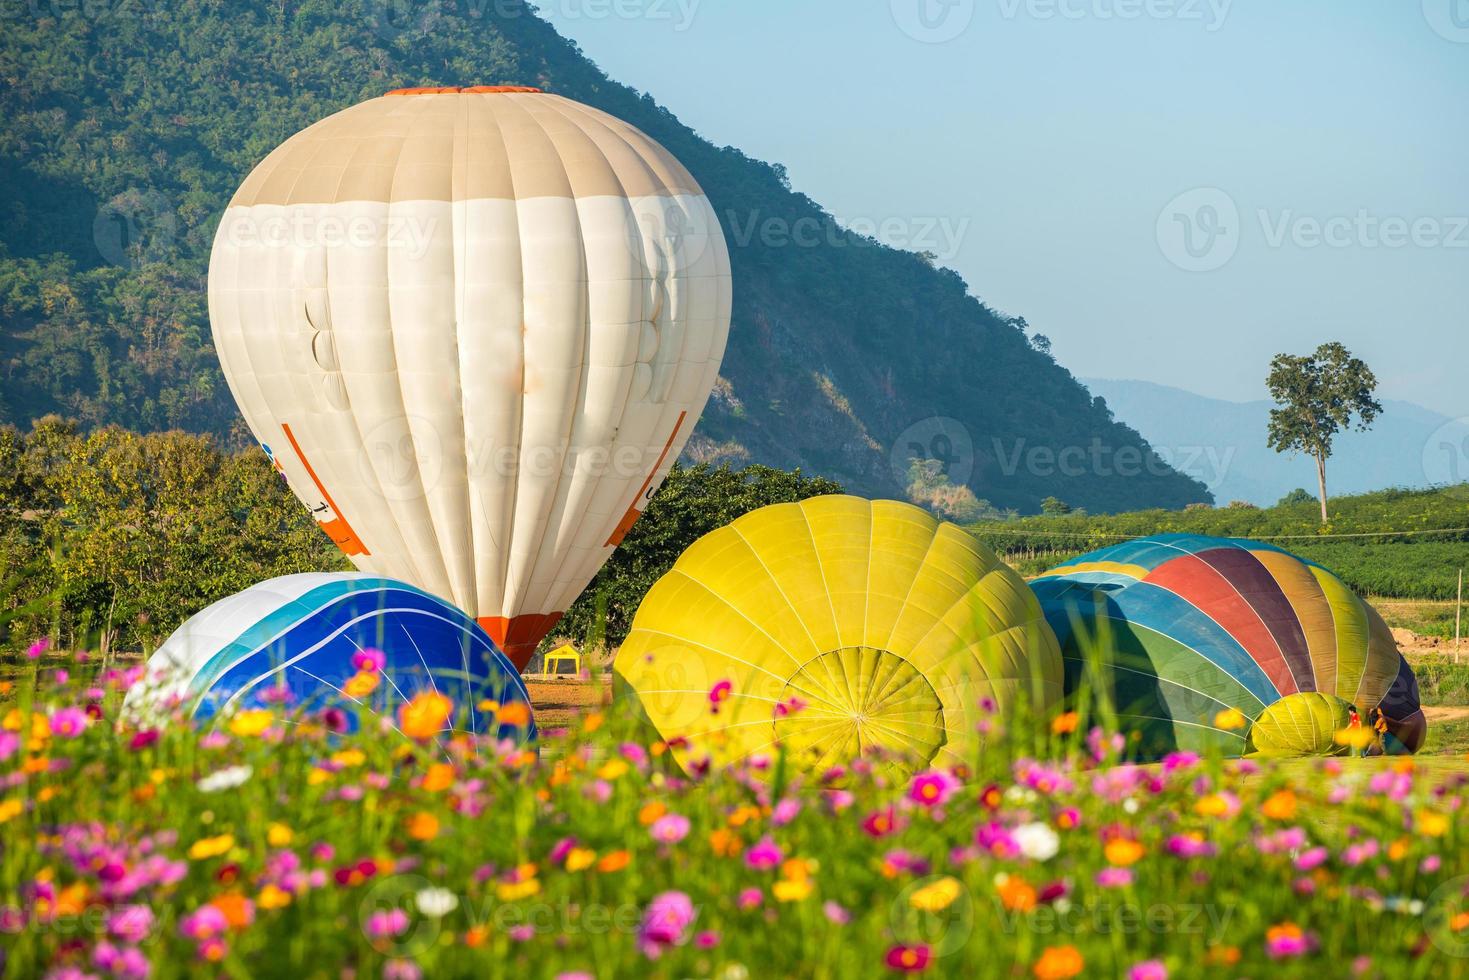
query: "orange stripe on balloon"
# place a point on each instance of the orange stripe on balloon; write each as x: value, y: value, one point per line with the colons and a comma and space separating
x: 518, y: 636
x: 337, y: 528
x: 633, y: 513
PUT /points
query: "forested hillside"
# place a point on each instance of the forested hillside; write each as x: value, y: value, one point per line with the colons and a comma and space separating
x: 127, y: 125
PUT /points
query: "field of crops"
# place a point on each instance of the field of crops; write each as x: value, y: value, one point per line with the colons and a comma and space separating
x: 1401, y: 543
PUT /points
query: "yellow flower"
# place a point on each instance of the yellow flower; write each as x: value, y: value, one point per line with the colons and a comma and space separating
x: 613, y: 769
x: 579, y: 858
x: 509, y: 891
x: 10, y: 809
x: 248, y: 724
x: 423, y: 826
x: 1356, y: 737
x: 440, y: 776
x: 279, y: 835
x: 725, y: 843
x: 651, y: 812
x: 317, y: 776
x: 489, y: 706
x: 349, y: 758
x: 937, y: 896
x: 791, y: 890
x: 1212, y: 805
x: 1230, y: 719
x: 208, y: 847
x: 1431, y: 824
x: 1281, y: 805
x: 273, y: 897
x: 360, y: 684
x: 592, y: 722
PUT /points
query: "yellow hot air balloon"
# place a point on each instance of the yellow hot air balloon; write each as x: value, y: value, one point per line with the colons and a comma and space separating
x: 836, y: 626
x: 473, y: 328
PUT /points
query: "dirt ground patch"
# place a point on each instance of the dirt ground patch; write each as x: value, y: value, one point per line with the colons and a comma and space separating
x: 561, y: 703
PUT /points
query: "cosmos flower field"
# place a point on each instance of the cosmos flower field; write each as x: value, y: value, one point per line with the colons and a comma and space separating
x: 278, y: 844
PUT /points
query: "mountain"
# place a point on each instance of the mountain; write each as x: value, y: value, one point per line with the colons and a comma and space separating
x: 128, y: 126
x: 1222, y: 444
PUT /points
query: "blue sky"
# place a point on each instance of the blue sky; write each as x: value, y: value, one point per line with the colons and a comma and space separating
x: 1172, y: 190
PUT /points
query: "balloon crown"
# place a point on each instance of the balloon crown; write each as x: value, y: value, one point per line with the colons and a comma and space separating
x: 462, y: 90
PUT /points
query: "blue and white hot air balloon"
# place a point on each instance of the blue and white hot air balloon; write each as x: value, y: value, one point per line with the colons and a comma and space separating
x: 292, y: 640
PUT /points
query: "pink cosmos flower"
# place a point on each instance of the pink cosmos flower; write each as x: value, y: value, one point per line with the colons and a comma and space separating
x: 764, y: 854
x: 141, y: 740
x: 706, y: 939
x: 1311, y: 859
x: 369, y: 660
x: 204, y: 922
x: 9, y: 744
x: 785, y: 811
x: 131, y: 923
x: 69, y: 722
x: 718, y: 694
x: 1148, y: 970
x: 750, y: 898
x: 386, y: 924
x: 401, y: 969
x: 665, y: 922
x: 932, y: 788
x: 35, y: 650
x: 670, y: 828
x: 835, y: 913
x: 1114, y: 877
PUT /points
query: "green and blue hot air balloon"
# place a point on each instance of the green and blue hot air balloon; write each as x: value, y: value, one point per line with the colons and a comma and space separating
x: 1179, y: 628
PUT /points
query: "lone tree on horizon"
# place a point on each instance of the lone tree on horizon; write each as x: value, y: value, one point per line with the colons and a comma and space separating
x: 1319, y: 395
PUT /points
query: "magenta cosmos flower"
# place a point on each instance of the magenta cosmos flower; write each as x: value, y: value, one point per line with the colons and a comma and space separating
x: 665, y: 923
x: 932, y: 788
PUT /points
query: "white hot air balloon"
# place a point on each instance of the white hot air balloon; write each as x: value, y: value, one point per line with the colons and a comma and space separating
x: 473, y: 328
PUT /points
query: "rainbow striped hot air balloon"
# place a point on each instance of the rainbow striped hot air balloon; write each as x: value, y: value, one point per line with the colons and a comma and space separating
x: 1180, y: 628
x: 298, y: 640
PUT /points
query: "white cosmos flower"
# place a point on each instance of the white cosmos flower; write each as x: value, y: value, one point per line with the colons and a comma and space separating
x: 436, y: 902
x: 1037, y: 841
x: 226, y: 778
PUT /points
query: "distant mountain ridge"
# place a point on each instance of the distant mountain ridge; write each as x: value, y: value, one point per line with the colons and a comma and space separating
x: 127, y: 129
x: 1223, y: 444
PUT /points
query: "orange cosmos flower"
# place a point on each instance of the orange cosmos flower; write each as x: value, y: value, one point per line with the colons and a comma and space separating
x: 1059, y: 963
x: 1281, y: 805
x: 426, y: 715
x: 615, y: 861
x: 423, y: 826
x: 516, y: 713
x: 1123, y: 851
